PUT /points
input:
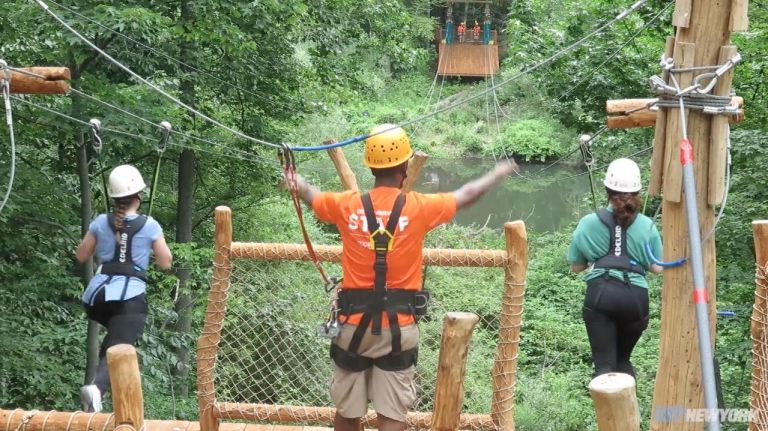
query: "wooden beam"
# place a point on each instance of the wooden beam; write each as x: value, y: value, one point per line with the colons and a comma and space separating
x: 125, y: 379
x: 347, y: 177
x: 325, y: 415
x: 758, y: 400
x: 332, y: 253
x: 631, y: 113
x: 53, y: 81
x: 615, y: 401
x: 451, y: 368
x: 682, y: 16
x: 659, y: 135
x: 414, y: 170
x: 510, y: 321
x: 208, y: 342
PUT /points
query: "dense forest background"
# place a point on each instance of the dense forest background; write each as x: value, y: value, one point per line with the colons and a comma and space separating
x: 302, y: 72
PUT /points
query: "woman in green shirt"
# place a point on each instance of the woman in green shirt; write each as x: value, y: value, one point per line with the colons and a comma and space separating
x: 612, y: 241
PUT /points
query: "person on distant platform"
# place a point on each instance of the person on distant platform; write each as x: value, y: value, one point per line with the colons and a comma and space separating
x: 613, y: 241
x: 123, y: 241
x: 476, y: 32
x: 382, y: 233
x: 462, y: 31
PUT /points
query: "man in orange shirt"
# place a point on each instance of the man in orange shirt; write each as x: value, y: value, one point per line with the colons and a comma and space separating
x: 382, y: 233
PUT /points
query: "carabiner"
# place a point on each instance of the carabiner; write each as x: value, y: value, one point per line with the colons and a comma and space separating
x: 95, y: 130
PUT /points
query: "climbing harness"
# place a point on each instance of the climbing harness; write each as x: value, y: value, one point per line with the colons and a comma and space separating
x: 696, y: 96
x: 617, y: 256
x: 330, y: 328
x: 380, y: 299
x: 5, y: 88
x: 160, y: 147
x: 122, y: 260
x: 98, y: 145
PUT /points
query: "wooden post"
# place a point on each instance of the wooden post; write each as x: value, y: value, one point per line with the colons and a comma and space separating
x: 720, y: 133
x: 348, y: 179
x: 54, y: 81
x: 451, y: 368
x: 208, y: 343
x: 615, y: 402
x: 758, y: 400
x: 125, y: 379
x: 678, y: 378
x: 414, y: 169
x: 505, y: 365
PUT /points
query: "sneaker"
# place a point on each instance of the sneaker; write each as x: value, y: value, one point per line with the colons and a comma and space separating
x: 91, y: 398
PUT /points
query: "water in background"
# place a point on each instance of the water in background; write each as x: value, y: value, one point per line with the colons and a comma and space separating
x: 546, y: 201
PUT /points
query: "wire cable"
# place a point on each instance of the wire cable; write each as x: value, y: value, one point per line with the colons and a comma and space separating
x: 5, y: 87
x: 154, y: 50
x: 254, y: 158
x: 480, y: 94
x: 160, y: 126
x: 617, y: 52
x: 45, y: 7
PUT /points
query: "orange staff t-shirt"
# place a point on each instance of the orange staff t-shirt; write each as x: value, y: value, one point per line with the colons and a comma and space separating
x: 421, y: 213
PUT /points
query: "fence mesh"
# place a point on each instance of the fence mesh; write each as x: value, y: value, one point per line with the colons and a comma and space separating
x: 269, y: 353
x: 759, y: 396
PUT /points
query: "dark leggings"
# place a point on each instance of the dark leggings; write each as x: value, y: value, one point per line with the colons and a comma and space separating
x: 124, y: 321
x: 615, y: 314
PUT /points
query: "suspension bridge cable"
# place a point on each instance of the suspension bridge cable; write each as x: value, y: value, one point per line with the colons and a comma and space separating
x: 253, y: 158
x: 637, y: 5
x: 45, y: 7
x: 154, y: 50
x: 629, y: 156
x: 617, y: 52
x: 158, y: 125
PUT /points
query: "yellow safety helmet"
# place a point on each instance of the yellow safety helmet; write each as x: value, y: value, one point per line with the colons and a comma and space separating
x: 387, y: 146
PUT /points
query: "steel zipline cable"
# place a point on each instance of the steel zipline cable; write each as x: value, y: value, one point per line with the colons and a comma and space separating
x: 249, y: 157
x: 637, y: 5
x: 242, y: 135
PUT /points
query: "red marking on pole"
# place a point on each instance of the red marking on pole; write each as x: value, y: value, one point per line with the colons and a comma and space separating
x: 700, y: 296
x: 686, y: 152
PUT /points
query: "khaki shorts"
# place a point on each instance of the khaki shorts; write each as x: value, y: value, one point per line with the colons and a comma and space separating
x: 391, y: 392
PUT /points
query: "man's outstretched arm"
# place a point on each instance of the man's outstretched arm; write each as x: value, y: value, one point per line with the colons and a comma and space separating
x: 307, y: 191
x: 470, y: 192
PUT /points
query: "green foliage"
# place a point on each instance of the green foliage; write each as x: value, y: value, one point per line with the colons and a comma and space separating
x: 532, y: 138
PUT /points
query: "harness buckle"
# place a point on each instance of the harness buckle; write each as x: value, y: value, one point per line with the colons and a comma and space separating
x: 382, y: 231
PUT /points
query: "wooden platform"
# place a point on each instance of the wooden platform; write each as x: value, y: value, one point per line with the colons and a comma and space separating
x: 466, y: 59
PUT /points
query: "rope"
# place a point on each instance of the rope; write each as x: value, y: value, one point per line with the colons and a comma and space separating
x: 97, y: 147
x: 10, y: 416
x: 5, y: 87
x: 25, y: 420
x: 72, y: 418
x: 160, y: 147
x: 149, y: 84
x: 45, y: 421
x: 480, y: 94
x: 291, y: 179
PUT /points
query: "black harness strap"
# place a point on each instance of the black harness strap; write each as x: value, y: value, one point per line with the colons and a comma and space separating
x: 122, y: 261
x: 617, y: 256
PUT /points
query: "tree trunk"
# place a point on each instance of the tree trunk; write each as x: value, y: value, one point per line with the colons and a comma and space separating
x: 184, y: 208
x: 86, y: 213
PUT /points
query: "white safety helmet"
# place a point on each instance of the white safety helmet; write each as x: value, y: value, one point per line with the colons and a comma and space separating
x: 623, y: 175
x: 125, y: 180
